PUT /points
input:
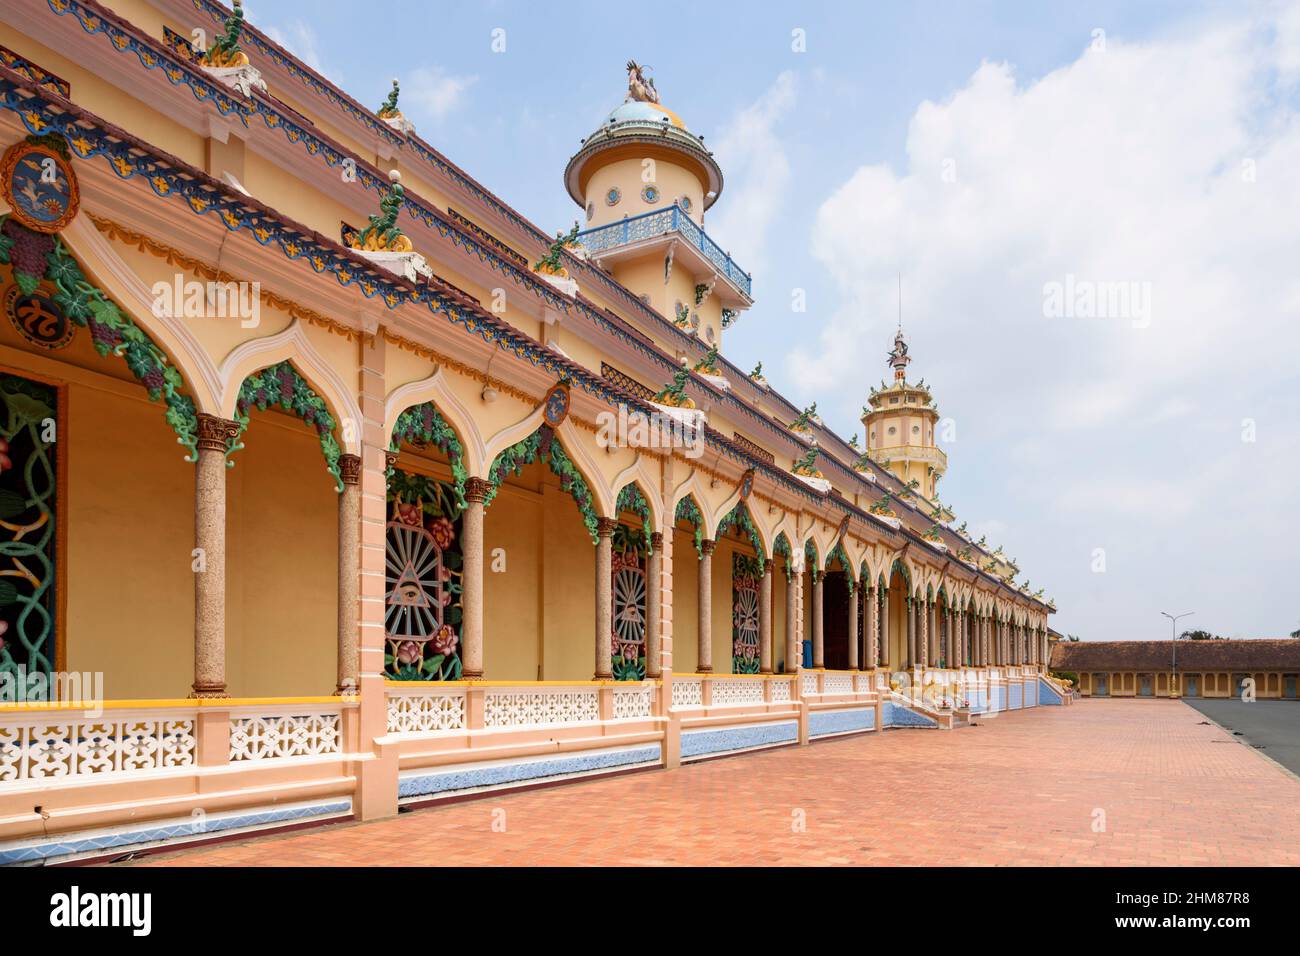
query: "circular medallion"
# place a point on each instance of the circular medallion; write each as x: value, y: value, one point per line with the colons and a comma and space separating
x: 685, y: 203
x: 556, y: 404
x: 613, y: 196
x: 38, y: 318
x: 39, y: 186
x: 650, y: 194
x: 591, y: 210
x: 746, y: 484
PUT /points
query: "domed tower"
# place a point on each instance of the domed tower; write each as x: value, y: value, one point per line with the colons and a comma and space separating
x: 644, y: 182
x: 900, y: 421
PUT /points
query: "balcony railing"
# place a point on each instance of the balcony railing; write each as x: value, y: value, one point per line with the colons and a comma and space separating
x: 662, y: 222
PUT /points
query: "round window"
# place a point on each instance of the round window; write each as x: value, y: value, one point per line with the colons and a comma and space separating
x: 892, y: 429
x: 591, y: 210
x: 650, y: 194
x: 613, y: 196
x: 685, y: 203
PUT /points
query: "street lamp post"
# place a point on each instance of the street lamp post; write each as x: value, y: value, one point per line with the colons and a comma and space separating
x: 1173, y: 646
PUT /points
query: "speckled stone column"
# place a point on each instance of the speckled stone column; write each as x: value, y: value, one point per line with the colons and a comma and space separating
x: 604, y: 597
x: 792, y: 655
x: 471, y: 629
x: 854, y: 596
x: 765, y: 619
x: 909, y: 618
x: 349, y: 572
x: 818, y: 631
x: 704, y: 628
x: 213, y: 438
x: 923, y: 634
x: 873, y: 634
x: 653, y: 606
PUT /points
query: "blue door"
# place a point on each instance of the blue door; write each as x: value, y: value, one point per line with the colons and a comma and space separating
x: 1099, y: 685
x: 1288, y: 686
x: 1192, y: 685
x: 1237, y: 681
x: 1144, y: 685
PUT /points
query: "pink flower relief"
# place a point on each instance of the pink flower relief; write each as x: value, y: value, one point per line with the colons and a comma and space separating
x: 445, y: 641
x: 409, y: 652
x: 443, y: 531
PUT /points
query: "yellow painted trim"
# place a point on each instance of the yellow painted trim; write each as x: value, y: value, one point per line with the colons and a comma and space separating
x: 219, y: 703
x: 520, y: 683
x: 740, y: 676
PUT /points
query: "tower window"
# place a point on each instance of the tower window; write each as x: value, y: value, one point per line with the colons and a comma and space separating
x: 591, y: 210
x: 613, y: 196
x: 685, y: 203
x: 650, y: 194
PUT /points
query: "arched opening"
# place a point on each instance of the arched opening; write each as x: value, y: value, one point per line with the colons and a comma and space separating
x: 740, y: 548
x: 900, y: 587
x: 838, y: 589
x: 539, y: 575
x: 282, y: 539
x: 631, y: 586
x: 813, y: 573
x: 782, y: 607
x: 688, y: 552
x: 423, y: 547
x: 96, y: 498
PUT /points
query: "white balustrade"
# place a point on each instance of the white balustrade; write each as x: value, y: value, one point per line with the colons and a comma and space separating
x: 837, y: 683
x: 781, y: 690
x: 632, y: 702
x: 736, y: 691
x: 808, y: 684
x: 276, y: 736
x: 688, y: 692
x: 541, y: 706
x: 424, y: 712
x: 43, y: 746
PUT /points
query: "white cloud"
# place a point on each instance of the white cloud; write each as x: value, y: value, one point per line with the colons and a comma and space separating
x: 1171, y: 163
x: 758, y: 173
x: 300, y: 39
x: 434, y: 92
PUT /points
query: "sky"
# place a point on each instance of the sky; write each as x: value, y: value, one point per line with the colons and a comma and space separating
x: 1093, y: 208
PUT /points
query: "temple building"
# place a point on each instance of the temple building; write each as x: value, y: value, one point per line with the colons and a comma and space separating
x: 331, y: 483
x: 1268, y: 668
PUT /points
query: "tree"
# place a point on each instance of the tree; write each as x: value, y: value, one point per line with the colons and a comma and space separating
x: 1199, y: 636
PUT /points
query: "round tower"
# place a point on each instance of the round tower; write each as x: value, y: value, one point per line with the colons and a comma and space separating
x: 644, y: 181
x: 900, y: 419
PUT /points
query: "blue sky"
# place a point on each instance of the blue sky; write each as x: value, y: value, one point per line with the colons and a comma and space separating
x: 1161, y: 151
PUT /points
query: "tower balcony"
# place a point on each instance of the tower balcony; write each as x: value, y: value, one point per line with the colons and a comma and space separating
x: 660, y: 228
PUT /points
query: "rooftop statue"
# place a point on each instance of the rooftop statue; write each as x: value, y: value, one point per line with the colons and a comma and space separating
x: 382, y: 234
x: 389, y: 108
x: 226, y: 52
x: 675, y: 394
x: 640, y: 87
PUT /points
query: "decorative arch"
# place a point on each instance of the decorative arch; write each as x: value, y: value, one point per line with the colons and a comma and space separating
x: 812, y: 556
x: 423, y: 424
x: 113, y: 331
x: 281, y: 385
x: 291, y: 345
x: 436, y: 391
x: 544, y: 445
x: 632, y: 497
x: 687, y: 508
x: 781, y: 546
x: 839, y: 552
x: 740, y: 517
x: 639, y: 473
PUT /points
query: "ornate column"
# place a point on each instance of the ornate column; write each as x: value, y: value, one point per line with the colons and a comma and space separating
x: 471, y: 630
x: 604, y: 597
x: 871, y: 652
x: 883, y: 650
x: 818, y: 632
x: 349, y: 572
x: 855, y: 595
x: 214, y: 437
x: 910, y: 616
x: 923, y: 632
x: 792, y: 656
x: 653, y: 606
x: 765, y: 619
x: 705, y: 628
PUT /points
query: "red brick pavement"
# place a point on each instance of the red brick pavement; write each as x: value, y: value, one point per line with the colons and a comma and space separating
x: 1021, y: 788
